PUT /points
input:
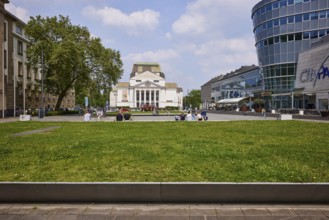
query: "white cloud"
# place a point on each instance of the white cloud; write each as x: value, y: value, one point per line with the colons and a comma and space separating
x: 134, y: 24
x: 211, y: 17
x: 19, y: 12
x: 153, y: 56
x: 225, y: 55
x: 191, y: 23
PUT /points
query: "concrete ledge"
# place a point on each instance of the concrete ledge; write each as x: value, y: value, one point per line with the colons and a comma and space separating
x: 286, y: 117
x: 166, y: 192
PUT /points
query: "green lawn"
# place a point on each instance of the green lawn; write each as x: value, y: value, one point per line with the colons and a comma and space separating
x: 244, y: 151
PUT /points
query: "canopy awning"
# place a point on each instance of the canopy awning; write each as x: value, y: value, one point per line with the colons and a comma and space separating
x: 282, y: 94
x: 231, y: 101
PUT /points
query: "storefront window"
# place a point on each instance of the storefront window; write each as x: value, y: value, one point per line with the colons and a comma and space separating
x: 323, y: 104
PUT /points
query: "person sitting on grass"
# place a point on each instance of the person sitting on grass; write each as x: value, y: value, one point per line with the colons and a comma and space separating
x: 199, y: 116
x: 182, y: 117
x: 127, y: 116
x: 87, y: 116
x: 119, y: 116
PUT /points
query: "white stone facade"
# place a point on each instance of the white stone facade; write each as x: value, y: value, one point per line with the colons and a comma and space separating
x: 146, y: 90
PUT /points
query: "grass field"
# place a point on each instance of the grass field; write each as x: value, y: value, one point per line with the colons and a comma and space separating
x: 244, y: 151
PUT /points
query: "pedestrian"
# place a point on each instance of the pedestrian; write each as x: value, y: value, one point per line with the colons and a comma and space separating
x: 87, y: 116
x: 264, y: 113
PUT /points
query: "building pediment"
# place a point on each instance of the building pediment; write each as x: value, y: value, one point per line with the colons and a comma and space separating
x: 147, y: 84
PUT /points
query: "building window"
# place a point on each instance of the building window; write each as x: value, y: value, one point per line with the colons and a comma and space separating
x: 138, y: 80
x: 283, y: 21
x: 314, y: 16
x: 290, y: 37
x: 306, y: 35
x: 20, y: 47
x: 19, y: 30
x: 314, y: 34
x: 5, y: 31
x: 283, y: 38
x: 323, y: 14
x: 20, y: 68
x: 29, y: 72
x: 156, y: 81
x: 283, y: 3
x: 298, y: 18
x: 5, y: 59
x: 306, y: 17
x: 276, y: 22
x: 298, y: 36
x: 322, y: 33
x: 291, y: 19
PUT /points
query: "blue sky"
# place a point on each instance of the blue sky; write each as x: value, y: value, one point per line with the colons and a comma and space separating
x: 193, y: 40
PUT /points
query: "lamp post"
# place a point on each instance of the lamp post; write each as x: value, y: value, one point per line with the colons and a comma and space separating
x: 42, y: 107
x: 42, y: 84
x: 292, y: 100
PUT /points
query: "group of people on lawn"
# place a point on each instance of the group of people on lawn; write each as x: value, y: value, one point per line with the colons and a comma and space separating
x: 192, y: 117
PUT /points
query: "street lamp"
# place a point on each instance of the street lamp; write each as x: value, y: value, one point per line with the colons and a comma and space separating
x: 41, y: 110
x: 42, y: 89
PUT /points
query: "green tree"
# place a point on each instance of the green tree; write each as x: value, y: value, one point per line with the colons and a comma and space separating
x: 72, y: 58
x: 193, y: 99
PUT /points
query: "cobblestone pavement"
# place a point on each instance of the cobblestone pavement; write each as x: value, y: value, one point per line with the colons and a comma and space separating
x: 162, y: 212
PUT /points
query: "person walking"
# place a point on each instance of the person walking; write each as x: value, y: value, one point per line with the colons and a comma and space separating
x: 264, y: 113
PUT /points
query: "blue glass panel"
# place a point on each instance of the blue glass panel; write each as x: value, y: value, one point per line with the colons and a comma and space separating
x: 283, y: 21
x: 276, y: 22
x: 298, y: 18
x: 306, y: 17
x: 314, y: 16
x: 306, y: 35
x: 283, y: 3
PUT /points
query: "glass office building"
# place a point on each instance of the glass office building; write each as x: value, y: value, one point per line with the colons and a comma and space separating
x: 282, y: 29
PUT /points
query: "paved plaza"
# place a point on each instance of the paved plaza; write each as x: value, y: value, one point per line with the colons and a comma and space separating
x: 217, y: 116
x: 146, y: 118
x: 162, y: 212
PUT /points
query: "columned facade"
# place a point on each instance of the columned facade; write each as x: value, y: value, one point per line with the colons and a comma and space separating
x: 149, y: 97
x: 146, y: 89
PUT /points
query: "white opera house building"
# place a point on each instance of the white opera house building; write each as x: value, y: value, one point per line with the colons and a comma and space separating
x: 147, y: 88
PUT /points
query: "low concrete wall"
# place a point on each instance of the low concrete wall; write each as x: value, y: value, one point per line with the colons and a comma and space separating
x: 286, y: 117
x: 165, y: 192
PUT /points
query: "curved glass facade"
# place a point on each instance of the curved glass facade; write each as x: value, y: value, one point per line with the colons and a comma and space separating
x: 282, y: 29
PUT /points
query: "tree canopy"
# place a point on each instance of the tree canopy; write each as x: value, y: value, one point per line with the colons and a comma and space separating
x: 193, y: 99
x: 73, y: 59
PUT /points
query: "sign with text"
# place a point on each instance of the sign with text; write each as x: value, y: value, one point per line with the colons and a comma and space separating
x: 86, y: 101
x: 313, y: 69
